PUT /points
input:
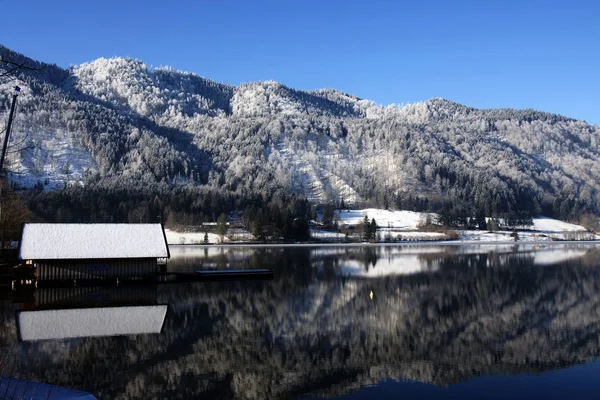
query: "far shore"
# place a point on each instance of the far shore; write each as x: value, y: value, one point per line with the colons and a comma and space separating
x: 396, y: 244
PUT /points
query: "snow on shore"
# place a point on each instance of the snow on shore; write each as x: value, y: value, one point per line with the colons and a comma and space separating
x: 190, y: 237
x: 384, y: 218
x: 404, y: 225
x: 233, y: 235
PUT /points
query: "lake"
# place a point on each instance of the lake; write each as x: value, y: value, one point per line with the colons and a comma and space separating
x: 349, y: 322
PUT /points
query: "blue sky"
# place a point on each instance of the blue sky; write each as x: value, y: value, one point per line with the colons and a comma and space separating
x: 520, y: 54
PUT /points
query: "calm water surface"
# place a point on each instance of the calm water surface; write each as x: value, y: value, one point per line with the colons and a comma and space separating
x: 426, y: 322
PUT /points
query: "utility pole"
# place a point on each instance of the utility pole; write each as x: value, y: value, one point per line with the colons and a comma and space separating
x: 10, y: 119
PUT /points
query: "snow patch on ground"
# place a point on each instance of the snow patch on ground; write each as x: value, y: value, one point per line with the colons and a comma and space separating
x: 417, y: 235
x: 544, y: 224
x: 233, y: 235
x: 384, y: 218
x: 324, y: 235
x: 191, y: 237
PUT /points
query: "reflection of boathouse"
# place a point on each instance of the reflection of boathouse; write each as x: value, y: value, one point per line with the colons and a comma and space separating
x: 60, y: 313
x: 93, y: 251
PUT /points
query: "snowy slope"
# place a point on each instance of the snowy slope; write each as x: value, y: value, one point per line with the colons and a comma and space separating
x: 411, y: 220
x: 544, y: 224
x: 46, y: 154
x: 384, y: 218
x: 56, y: 160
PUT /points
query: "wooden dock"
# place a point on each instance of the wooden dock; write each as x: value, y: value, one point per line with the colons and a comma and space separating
x: 24, y: 279
x: 235, y: 274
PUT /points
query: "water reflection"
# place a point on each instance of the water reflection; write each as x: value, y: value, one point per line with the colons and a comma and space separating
x: 63, y: 313
x: 439, y: 314
x: 373, y: 261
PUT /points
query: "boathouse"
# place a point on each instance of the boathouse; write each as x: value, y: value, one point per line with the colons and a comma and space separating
x: 93, y: 251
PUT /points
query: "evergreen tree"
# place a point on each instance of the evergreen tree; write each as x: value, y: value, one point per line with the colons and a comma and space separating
x: 366, y: 226
x: 372, y: 229
x: 328, y: 214
x: 480, y: 220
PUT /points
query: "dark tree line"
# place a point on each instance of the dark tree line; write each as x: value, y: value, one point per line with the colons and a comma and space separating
x: 276, y: 217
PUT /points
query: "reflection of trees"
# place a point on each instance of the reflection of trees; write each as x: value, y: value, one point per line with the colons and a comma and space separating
x: 366, y: 256
x: 303, y: 334
x: 369, y: 256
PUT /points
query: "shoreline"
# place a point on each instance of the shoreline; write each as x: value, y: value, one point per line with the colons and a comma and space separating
x: 397, y: 244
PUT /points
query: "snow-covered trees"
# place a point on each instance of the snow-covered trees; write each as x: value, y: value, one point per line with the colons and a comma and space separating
x: 159, y: 125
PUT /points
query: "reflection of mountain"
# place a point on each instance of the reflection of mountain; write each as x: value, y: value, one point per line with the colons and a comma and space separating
x: 406, y: 260
x: 309, y: 331
x: 375, y: 261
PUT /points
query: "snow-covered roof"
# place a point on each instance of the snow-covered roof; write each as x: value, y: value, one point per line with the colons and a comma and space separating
x: 88, y: 241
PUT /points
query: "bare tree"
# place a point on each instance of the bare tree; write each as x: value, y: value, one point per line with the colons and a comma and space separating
x: 222, y: 226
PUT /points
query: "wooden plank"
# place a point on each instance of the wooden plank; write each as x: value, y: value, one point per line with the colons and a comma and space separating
x: 235, y: 273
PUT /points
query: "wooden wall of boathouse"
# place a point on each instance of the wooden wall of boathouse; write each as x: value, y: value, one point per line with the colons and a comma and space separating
x: 95, y: 269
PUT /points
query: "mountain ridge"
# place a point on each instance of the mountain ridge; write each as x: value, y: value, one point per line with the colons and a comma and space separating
x: 435, y: 101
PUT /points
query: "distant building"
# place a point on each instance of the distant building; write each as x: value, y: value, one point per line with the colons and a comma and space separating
x: 93, y: 251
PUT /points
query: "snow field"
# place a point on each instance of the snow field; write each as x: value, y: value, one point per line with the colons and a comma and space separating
x: 383, y: 218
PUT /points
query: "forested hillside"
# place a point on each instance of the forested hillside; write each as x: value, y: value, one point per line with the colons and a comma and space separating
x: 120, y: 125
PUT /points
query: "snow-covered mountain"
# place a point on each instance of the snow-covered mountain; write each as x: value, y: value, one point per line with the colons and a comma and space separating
x: 119, y: 120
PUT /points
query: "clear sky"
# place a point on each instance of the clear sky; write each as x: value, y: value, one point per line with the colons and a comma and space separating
x: 541, y: 54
